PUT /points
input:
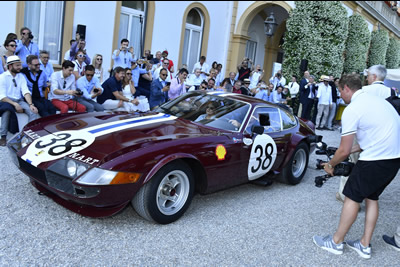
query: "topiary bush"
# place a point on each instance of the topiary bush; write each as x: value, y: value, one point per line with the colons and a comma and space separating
x: 357, y: 44
x: 316, y: 31
x: 378, y: 48
x: 393, y: 54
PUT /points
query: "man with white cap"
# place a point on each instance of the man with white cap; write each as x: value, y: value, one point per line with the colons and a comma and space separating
x: 14, y: 89
x: 324, y: 96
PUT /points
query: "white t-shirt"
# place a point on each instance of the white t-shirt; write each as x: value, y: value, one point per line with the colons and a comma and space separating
x: 79, y: 68
x: 377, y: 128
x: 378, y: 89
x: 254, y: 79
x: 294, y: 88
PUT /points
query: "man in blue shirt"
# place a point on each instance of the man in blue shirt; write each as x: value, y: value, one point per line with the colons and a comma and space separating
x: 123, y: 56
x: 25, y: 46
x: 263, y: 93
x: 91, y: 88
x: 36, y: 80
x: 76, y: 46
x: 45, y: 65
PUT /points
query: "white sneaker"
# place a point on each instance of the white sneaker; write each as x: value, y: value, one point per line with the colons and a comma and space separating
x: 364, y: 252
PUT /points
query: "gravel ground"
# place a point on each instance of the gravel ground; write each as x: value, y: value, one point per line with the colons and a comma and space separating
x: 245, y: 225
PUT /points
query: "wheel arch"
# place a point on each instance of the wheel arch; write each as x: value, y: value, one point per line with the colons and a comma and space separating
x: 193, y: 163
x: 295, y: 141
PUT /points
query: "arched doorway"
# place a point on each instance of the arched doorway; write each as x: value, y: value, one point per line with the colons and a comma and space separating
x: 249, y: 39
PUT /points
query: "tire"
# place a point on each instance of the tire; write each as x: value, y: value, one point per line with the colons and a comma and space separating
x: 294, y: 171
x: 168, y: 194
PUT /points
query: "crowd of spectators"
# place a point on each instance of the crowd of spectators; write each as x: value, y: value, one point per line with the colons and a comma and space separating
x: 29, y: 83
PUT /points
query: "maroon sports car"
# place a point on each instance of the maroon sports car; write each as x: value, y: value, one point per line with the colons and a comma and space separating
x: 95, y: 164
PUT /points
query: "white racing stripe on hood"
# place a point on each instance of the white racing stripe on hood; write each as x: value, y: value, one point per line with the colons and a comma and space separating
x: 60, y: 144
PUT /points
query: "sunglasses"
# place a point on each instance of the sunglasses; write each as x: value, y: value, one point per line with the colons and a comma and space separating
x: 65, y: 83
x: 165, y: 63
x: 99, y: 59
x: 80, y: 55
x: 128, y: 73
x: 211, y: 107
x: 89, y: 75
x: 163, y: 75
x: 12, y: 45
x: 15, y: 82
x: 25, y: 33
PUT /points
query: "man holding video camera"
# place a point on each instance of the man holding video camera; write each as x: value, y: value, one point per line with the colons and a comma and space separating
x: 89, y: 88
x: 379, y: 162
x: 25, y: 46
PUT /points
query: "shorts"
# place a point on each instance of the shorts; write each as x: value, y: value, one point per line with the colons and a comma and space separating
x: 368, y: 179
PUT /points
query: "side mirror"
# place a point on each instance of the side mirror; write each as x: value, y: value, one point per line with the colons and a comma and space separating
x: 257, y: 129
x: 264, y: 119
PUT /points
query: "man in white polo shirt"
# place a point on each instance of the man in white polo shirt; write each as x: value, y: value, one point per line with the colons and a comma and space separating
x: 376, y: 76
x: 379, y: 162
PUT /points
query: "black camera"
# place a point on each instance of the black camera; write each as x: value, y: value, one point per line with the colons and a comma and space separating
x: 79, y: 92
x: 344, y: 168
x: 95, y: 90
x: 30, y: 36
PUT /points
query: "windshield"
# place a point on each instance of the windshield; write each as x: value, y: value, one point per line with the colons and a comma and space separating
x: 208, y: 109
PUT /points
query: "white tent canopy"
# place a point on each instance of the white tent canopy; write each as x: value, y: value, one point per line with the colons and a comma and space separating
x: 393, y: 78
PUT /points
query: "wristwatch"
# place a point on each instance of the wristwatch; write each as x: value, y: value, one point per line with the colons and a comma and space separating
x: 329, y: 165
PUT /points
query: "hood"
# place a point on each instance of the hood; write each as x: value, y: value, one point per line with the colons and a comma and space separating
x: 113, y: 134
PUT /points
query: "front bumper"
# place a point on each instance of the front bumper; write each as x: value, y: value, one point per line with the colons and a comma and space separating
x: 92, y: 201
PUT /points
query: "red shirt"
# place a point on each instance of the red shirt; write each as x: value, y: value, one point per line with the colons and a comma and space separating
x: 238, y: 91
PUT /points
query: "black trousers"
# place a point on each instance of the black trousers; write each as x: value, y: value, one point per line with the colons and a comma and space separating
x: 306, y: 110
x: 44, y: 106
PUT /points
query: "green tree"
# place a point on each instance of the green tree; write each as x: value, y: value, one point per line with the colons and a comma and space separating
x: 393, y: 54
x: 357, y: 45
x: 378, y: 48
x: 316, y: 31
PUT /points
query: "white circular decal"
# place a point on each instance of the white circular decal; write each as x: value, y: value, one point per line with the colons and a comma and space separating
x: 55, y: 146
x: 262, y: 156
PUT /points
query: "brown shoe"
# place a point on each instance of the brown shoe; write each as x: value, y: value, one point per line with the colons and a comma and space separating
x: 3, y: 141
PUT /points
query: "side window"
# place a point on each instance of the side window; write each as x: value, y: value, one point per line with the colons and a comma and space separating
x: 288, y: 120
x: 274, y: 118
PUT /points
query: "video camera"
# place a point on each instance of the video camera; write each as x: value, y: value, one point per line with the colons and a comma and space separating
x: 344, y: 168
x: 79, y: 92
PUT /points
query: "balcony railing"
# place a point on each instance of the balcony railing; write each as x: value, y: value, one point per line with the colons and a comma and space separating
x: 384, y: 14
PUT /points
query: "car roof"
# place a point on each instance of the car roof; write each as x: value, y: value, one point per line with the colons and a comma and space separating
x: 249, y: 99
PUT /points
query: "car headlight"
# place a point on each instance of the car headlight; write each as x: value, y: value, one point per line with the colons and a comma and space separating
x: 25, y: 140
x: 69, y: 168
x: 97, y: 176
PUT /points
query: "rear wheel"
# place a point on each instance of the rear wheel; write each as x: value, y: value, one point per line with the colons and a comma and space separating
x: 294, y: 171
x: 165, y: 198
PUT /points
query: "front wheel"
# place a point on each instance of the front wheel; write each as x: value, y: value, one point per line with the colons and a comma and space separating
x: 166, y: 197
x: 294, y: 171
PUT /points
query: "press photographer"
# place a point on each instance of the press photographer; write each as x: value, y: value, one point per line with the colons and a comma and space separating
x: 377, y: 130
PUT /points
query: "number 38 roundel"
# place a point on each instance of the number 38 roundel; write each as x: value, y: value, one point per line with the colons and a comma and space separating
x: 262, y: 156
x: 52, y: 147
